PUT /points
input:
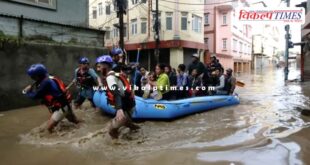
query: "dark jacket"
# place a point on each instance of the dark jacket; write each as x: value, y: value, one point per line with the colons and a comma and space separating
x: 196, y: 65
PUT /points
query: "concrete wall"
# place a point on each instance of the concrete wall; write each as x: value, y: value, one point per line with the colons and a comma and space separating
x: 67, y: 11
x: 15, y: 59
x: 43, y: 32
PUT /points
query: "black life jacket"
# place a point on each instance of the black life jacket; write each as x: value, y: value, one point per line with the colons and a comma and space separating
x: 85, y: 79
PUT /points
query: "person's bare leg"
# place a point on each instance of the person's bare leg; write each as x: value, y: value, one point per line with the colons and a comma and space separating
x: 70, y: 115
x: 51, y: 125
x: 113, y: 128
x: 132, y: 126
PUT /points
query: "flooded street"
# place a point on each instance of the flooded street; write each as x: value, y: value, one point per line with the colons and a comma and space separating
x: 265, y: 128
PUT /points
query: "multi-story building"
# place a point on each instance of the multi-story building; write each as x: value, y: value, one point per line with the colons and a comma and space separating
x: 266, y: 46
x: 305, y: 49
x: 181, y: 29
x: 224, y: 37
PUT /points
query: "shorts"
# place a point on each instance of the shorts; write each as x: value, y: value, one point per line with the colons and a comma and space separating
x: 65, y: 112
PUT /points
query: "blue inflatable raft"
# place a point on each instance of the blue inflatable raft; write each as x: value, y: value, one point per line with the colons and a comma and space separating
x: 167, y: 110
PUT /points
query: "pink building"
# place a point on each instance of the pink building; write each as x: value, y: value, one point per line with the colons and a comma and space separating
x: 224, y: 37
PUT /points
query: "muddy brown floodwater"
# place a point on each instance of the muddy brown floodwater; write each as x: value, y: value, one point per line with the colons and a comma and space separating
x: 266, y: 128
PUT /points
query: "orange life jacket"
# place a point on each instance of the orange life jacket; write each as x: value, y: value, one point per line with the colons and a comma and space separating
x: 128, y: 93
x: 57, y: 103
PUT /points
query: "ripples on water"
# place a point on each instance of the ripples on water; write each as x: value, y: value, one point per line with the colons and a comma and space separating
x: 247, y: 133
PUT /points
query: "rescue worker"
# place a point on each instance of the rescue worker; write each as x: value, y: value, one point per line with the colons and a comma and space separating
x: 230, y: 82
x: 196, y: 64
x: 215, y: 64
x: 52, y: 93
x: 85, y: 79
x: 117, y: 56
x: 227, y: 83
x: 119, y: 95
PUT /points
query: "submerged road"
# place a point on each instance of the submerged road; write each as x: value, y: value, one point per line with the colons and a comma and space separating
x: 266, y: 128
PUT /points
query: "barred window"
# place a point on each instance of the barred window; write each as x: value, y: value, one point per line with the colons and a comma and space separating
x: 50, y: 4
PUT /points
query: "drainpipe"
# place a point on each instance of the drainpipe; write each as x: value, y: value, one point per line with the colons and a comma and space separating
x: 214, y: 44
x: 149, y: 19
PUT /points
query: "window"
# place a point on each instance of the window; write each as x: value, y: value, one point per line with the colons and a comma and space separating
x: 249, y: 50
x: 207, y: 19
x: 107, y: 35
x: 235, y: 45
x: 115, y: 32
x: 184, y: 21
x: 108, y: 9
x: 207, y: 42
x: 125, y: 30
x: 134, y: 2
x: 143, y: 26
x: 224, y: 19
x: 169, y: 20
x: 94, y: 13
x: 240, y: 47
x: 224, y: 44
x: 51, y: 4
x: 134, y: 27
x: 196, y: 24
x: 100, y: 9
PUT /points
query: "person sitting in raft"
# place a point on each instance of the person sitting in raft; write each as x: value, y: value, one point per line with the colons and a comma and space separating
x: 149, y: 89
x: 162, y: 82
x: 227, y: 83
x: 119, y: 95
x: 85, y: 79
x: 172, y: 80
x: 194, y: 84
x: 172, y: 76
x: 53, y: 94
x: 182, y: 82
x: 144, y: 76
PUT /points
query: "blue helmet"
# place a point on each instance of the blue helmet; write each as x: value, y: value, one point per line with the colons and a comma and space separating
x: 116, y: 51
x: 105, y: 59
x: 37, y: 70
x: 84, y: 60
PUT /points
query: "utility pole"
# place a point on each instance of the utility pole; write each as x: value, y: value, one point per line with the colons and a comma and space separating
x: 121, y: 6
x: 287, y: 40
x: 157, y: 24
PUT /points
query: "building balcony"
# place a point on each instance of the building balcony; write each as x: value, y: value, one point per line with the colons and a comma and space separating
x: 226, y: 6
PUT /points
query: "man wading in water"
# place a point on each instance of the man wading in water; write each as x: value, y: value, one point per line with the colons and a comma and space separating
x: 119, y: 96
x: 53, y: 94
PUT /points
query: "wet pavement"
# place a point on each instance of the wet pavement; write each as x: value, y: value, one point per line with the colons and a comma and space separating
x: 267, y: 127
